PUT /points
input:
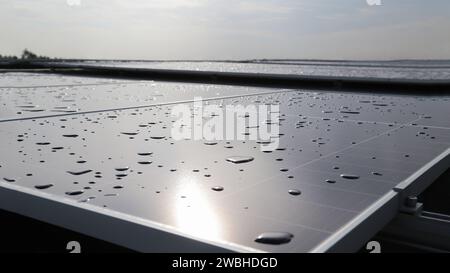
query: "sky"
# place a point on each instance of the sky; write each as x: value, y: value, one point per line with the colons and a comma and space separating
x: 227, y: 29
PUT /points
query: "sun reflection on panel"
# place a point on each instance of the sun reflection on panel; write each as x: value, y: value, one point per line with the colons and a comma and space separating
x: 193, y: 212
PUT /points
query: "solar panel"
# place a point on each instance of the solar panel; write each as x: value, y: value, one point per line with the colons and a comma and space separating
x: 371, y: 69
x: 99, y: 158
x: 57, y: 95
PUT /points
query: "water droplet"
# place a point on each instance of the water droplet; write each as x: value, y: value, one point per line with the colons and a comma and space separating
x: 79, y: 172
x: 274, y: 238
x: 129, y: 133
x: 217, y: 188
x: 43, y: 187
x: 240, y: 159
x: 122, y: 169
x: 145, y: 162
x: 72, y: 193
x: 329, y: 181
x: 294, y: 192
x: 145, y: 154
x: 87, y: 199
x: 71, y: 135
x: 350, y: 176
x: 210, y: 143
x: 111, y: 194
x: 43, y: 143
x: 10, y: 180
x: 35, y: 110
x: 28, y: 106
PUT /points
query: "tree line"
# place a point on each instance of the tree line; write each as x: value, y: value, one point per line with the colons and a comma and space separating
x: 26, y: 55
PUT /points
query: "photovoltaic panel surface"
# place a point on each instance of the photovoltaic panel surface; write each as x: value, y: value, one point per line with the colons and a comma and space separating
x: 113, y: 170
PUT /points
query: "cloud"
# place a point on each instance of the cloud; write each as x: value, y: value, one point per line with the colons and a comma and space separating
x: 222, y: 29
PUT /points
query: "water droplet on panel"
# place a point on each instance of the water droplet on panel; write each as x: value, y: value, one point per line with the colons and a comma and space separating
x: 87, y: 199
x: 10, y: 180
x: 43, y: 143
x: 79, y: 172
x: 240, y: 159
x: 217, y: 188
x: 129, y: 133
x: 43, y: 187
x: 350, y: 112
x: 73, y: 193
x: 145, y: 162
x: 145, y: 154
x: 71, y: 135
x: 350, y: 176
x: 210, y: 143
x: 111, y: 194
x: 274, y: 238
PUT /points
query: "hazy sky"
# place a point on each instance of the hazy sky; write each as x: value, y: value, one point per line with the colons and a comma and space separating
x: 227, y: 29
